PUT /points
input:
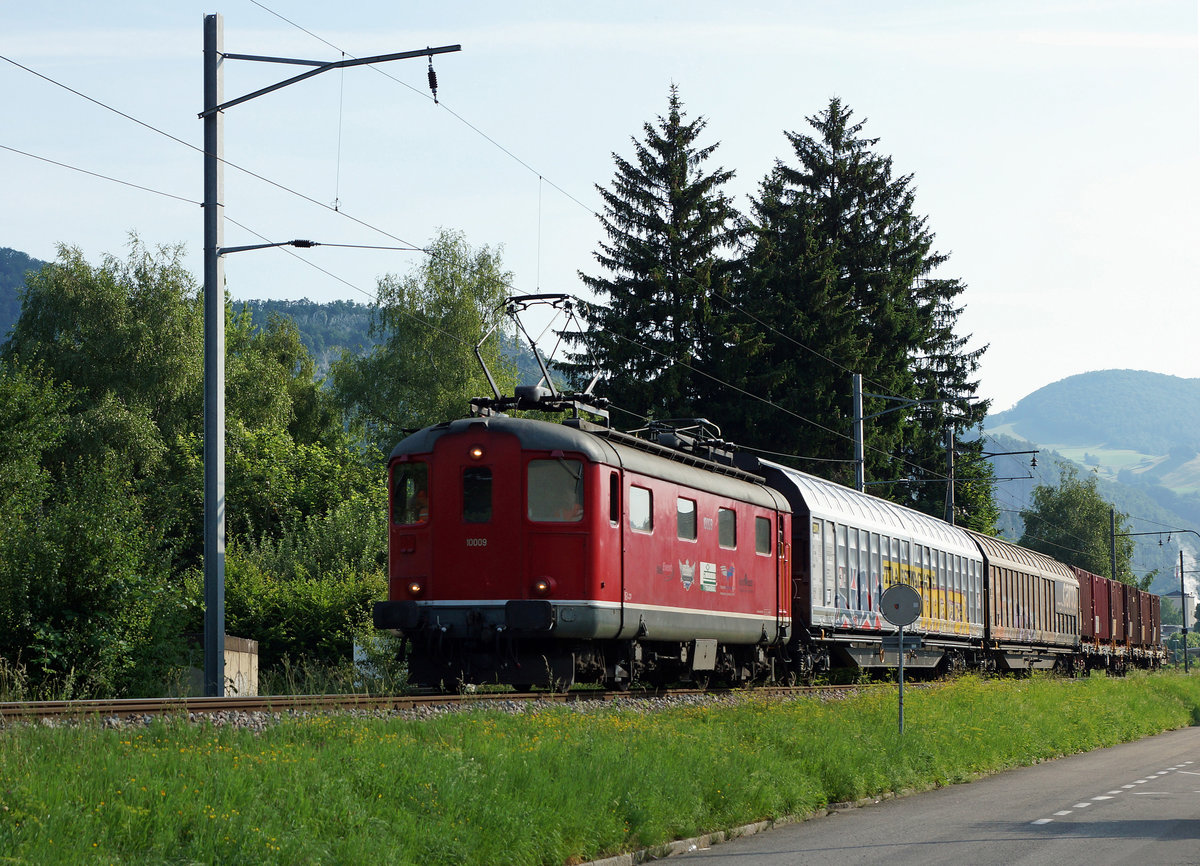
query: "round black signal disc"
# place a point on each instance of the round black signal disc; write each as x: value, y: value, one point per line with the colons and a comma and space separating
x: 900, y: 604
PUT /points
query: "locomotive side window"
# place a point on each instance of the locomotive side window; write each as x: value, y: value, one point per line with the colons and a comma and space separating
x: 477, y: 494
x: 727, y: 528
x: 685, y: 519
x: 614, y: 498
x: 762, y: 535
x: 641, y: 509
x: 410, y: 493
x: 555, y: 490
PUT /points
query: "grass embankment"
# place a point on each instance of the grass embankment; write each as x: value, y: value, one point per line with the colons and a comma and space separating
x: 542, y: 787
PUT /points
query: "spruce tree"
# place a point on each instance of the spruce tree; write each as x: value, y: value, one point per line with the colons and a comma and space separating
x: 944, y: 366
x: 837, y: 277
x: 653, y: 332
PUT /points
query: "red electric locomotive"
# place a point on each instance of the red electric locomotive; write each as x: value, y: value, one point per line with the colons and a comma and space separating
x: 526, y: 552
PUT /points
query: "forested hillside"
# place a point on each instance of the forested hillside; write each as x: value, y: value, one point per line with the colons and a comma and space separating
x: 1136, y: 432
x: 1120, y: 409
x: 14, y: 266
x: 331, y: 328
x: 326, y: 329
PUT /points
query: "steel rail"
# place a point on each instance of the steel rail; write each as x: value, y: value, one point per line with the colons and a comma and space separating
x: 124, y: 708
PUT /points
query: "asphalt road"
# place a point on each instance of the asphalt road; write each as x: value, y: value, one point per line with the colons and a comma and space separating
x: 1137, y: 805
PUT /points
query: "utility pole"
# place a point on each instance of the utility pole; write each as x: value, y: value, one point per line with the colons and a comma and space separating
x: 1182, y: 581
x: 950, y: 475
x: 1112, y: 541
x: 214, y: 314
x: 1183, y: 608
x: 860, y: 469
x: 982, y: 455
x: 214, y: 361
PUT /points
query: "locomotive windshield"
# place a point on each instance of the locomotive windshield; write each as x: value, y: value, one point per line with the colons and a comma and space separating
x: 555, y: 491
x: 410, y: 493
x: 477, y: 494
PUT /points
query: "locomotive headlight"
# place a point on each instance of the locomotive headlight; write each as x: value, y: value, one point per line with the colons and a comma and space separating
x: 415, y: 588
x: 475, y: 452
x: 542, y: 587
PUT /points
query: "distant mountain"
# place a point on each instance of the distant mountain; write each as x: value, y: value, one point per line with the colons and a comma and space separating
x: 1119, y: 409
x: 330, y: 328
x: 325, y: 329
x: 1138, y: 432
x: 14, y: 266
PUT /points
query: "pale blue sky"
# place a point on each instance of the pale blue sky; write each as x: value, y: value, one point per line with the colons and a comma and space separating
x: 1055, y: 143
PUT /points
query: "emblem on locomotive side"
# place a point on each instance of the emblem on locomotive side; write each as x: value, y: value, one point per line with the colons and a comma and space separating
x: 687, y: 573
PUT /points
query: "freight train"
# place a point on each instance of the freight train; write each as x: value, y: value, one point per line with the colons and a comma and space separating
x: 536, y: 553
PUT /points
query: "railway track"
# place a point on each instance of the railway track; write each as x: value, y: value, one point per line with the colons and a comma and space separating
x: 125, y: 708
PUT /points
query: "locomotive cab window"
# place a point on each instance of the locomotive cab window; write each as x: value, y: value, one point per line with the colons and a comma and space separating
x: 762, y: 535
x: 555, y: 490
x: 477, y: 494
x: 685, y: 519
x: 614, y: 498
x: 410, y: 493
x: 641, y: 509
x: 727, y: 528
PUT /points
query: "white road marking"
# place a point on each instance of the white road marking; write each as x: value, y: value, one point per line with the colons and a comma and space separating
x: 1189, y: 773
x: 1111, y: 794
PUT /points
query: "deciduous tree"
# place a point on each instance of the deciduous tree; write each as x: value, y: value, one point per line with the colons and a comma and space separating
x: 428, y: 322
x: 1072, y: 522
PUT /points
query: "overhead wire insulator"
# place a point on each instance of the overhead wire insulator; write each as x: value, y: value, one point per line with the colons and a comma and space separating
x: 432, y: 80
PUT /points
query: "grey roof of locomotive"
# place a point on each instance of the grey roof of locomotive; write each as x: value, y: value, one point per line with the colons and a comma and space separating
x: 610, y: 447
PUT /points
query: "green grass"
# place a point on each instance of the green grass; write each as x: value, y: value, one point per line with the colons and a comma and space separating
x: 551, y: 786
